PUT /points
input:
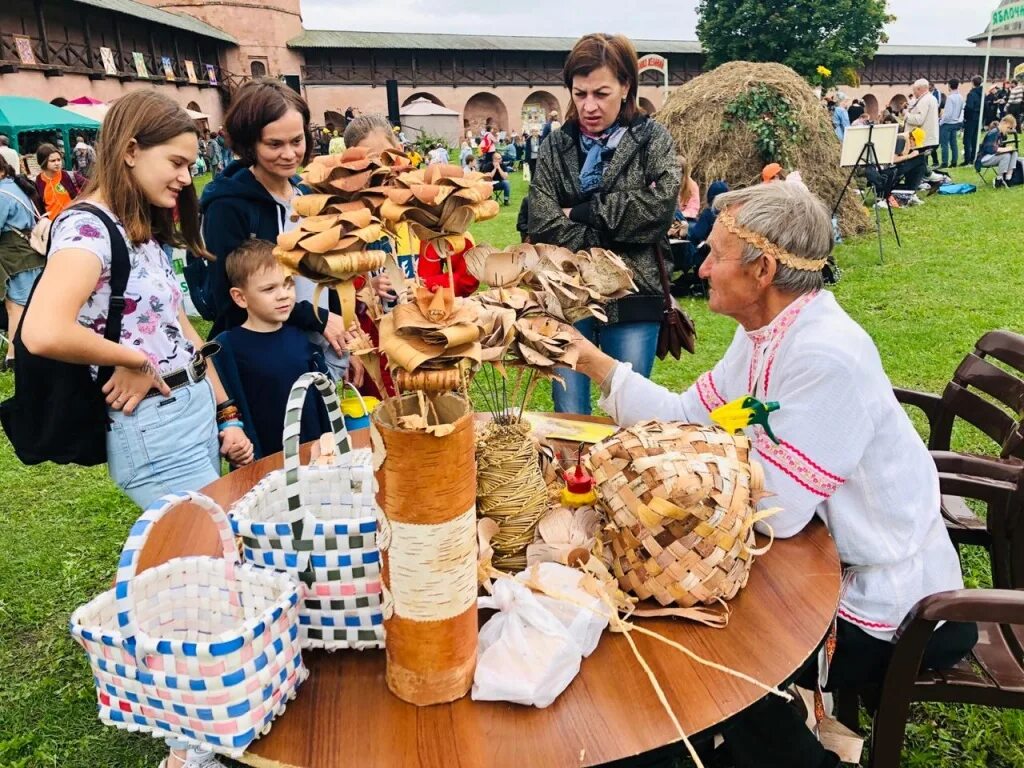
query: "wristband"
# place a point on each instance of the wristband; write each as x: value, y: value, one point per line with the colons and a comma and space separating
x: 225, y: 424
x: 225, y: 404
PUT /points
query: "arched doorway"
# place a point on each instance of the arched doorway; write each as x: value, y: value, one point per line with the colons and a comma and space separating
x: 536, y: 108
x: 898, y: 103
x: 60, y: 101
x: 334, y: 119
x: 258, y: 68
x: 871, y: 105
x: 647, y: 106
x: 193, y: 106
x: 423, y: 95
x: 485, y: 109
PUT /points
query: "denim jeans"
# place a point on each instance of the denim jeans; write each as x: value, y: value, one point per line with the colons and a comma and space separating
x: 634, y: 343
x: 167, y: 445
x: 948, y: 142
x: 505, y: 187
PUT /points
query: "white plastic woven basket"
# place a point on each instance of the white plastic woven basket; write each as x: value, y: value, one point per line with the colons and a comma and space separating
x: 319, y: 524
x: 199, y: 649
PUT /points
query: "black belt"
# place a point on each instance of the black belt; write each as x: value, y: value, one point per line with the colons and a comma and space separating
x: 192, y: 373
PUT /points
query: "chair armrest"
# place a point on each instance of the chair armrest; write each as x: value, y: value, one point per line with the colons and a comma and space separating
x: 1000, y: 606
x: 980, y: 467
x: 925, y: 401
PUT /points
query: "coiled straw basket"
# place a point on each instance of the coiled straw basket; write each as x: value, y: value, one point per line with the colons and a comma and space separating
x: 198, y: 649
x: 681, y: 506
x: 319, y: 524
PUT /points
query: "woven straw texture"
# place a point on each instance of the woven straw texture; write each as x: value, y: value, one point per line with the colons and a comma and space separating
x: 319, y: 524
x: 200, y: 649
x: 680, y: 500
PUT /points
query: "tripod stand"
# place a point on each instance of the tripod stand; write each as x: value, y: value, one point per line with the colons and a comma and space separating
x: 868, y: 158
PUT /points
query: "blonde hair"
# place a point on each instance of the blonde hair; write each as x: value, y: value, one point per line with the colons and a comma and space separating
x: 684, y: 189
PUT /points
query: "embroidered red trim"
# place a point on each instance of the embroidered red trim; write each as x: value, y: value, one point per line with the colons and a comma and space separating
x: 864, y: 623
x: 708, y: 393
x: 796, y: 479
x: 797, y: 466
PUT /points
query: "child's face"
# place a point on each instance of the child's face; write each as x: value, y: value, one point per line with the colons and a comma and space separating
x: 268, y: 295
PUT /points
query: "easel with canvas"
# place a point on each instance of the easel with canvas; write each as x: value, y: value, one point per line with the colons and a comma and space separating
x: 870, y: 146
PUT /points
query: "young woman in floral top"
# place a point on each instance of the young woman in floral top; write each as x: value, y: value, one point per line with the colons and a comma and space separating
x: 159, y: 440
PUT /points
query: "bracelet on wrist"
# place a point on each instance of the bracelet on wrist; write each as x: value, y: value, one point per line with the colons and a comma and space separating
x: 231, y: 412
x: 226, y: 404
x: 221, y: 426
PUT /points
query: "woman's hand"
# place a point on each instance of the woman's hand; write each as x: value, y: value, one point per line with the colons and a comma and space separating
x: 356, y: 371
x: 334, y: 332
x: 235, y: 446
x: 383, y: 286
x: 127, y: 387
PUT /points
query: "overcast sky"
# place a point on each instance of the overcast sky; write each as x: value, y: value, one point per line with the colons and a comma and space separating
x: 918, y: 22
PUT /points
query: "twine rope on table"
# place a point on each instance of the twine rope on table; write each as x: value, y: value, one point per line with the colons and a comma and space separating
x: 510, y: 490
x: 432, y: 568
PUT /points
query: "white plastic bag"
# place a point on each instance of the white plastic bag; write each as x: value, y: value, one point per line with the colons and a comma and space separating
x: 557, y: 588
x: 525, y: 654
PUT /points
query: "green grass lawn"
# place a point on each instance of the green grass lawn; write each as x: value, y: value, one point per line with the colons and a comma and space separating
x: 958, y: 274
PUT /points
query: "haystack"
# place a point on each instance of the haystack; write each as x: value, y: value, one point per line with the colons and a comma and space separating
x: 694, y: 115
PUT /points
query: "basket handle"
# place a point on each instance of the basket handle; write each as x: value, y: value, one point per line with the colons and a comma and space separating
x: 293, y: 427
x: 135, y: 640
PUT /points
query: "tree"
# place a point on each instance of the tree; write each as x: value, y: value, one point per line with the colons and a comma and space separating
x: 841, y: 35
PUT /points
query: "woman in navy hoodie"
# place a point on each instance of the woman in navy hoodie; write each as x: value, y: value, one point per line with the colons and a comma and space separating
x: 268, y: 128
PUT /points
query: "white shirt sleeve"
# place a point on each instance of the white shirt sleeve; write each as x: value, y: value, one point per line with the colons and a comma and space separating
x: 823, y: 427
x: 632, y: 398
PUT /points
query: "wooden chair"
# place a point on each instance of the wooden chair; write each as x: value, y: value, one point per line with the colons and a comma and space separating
x: 993, y: 675
x: 987, y: 397
x: 999, y: 682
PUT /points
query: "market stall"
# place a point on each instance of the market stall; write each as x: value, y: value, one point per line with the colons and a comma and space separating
x: 29, y: 122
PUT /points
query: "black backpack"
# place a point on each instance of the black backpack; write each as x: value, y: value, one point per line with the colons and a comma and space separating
x: 58, y: 413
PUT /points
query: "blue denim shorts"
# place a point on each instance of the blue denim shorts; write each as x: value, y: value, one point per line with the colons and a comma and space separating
x: 168, y: 445
x: 19, y: 286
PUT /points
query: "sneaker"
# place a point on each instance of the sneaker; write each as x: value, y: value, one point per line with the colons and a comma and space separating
x: 1000, y: 183
x: 196, y: 758
x: 915, y: 200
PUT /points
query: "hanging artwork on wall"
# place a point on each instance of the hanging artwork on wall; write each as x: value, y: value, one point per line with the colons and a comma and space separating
x: 25, y: 52
x: 140, y: 64
x: 211, y: 74
x: 190, y: 70
x: 165, y: 62
x: 109, y: 65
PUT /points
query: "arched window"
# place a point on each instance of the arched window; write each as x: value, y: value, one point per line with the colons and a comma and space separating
x: 258, y: 68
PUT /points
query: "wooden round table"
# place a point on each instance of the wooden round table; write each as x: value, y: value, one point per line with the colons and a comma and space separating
x: 345, y: 717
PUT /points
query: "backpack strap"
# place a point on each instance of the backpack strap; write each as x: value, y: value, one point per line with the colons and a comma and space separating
x: 120, y: 269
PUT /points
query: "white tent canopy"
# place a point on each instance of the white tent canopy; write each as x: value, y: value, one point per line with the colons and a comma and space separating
x: 424, y: 116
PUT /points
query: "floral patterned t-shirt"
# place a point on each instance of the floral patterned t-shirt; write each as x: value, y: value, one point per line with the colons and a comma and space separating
x: 152, y: 297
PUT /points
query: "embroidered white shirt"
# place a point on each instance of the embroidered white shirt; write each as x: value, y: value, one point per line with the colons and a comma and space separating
x: 847, y: 453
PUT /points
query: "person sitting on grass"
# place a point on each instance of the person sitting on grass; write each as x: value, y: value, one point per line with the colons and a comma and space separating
x: 260, y: 359
x: 499, y: 177
x: 996, y: 153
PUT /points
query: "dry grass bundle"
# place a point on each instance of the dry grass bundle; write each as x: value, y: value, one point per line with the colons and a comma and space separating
x: 694, y: 115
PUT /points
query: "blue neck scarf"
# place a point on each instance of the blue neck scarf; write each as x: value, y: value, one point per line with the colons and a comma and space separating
x: 599, y: 150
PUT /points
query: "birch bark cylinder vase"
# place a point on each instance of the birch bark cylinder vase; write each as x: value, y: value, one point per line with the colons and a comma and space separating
x: 427, y: 497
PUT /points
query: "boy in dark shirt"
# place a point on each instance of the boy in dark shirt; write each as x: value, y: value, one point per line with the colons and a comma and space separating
x: 261, y: 359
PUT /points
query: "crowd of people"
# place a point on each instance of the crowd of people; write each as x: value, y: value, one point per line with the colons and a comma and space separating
x: 607, y: 176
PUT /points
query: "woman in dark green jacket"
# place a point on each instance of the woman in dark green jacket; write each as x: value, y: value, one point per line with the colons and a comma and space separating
x: 608, y: 178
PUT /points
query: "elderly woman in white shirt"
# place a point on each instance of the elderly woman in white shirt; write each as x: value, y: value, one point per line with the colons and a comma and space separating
x: 847, y: 452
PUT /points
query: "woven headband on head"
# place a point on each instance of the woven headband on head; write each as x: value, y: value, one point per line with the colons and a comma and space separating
x: 769, y: 248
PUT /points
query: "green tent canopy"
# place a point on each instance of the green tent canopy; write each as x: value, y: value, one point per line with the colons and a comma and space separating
x: 21, y: 115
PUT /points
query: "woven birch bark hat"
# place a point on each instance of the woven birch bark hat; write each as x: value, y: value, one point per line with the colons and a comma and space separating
x: 680, y: 500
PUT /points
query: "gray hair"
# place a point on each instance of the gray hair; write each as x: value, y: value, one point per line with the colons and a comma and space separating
x: 790, y: 216
x: 361, y: 127
x: 922, y: 83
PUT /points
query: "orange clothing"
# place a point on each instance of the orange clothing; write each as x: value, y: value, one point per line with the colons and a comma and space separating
x: 58, y: 192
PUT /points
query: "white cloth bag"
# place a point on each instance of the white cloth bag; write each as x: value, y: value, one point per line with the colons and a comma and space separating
x: 532, y: 648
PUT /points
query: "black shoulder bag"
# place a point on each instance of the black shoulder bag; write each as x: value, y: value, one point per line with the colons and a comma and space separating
x: 58, y: 413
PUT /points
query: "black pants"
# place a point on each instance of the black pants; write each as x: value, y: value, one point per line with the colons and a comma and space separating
x: 533, y: 167
x: 970, y: 137
x: 772, y: 733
